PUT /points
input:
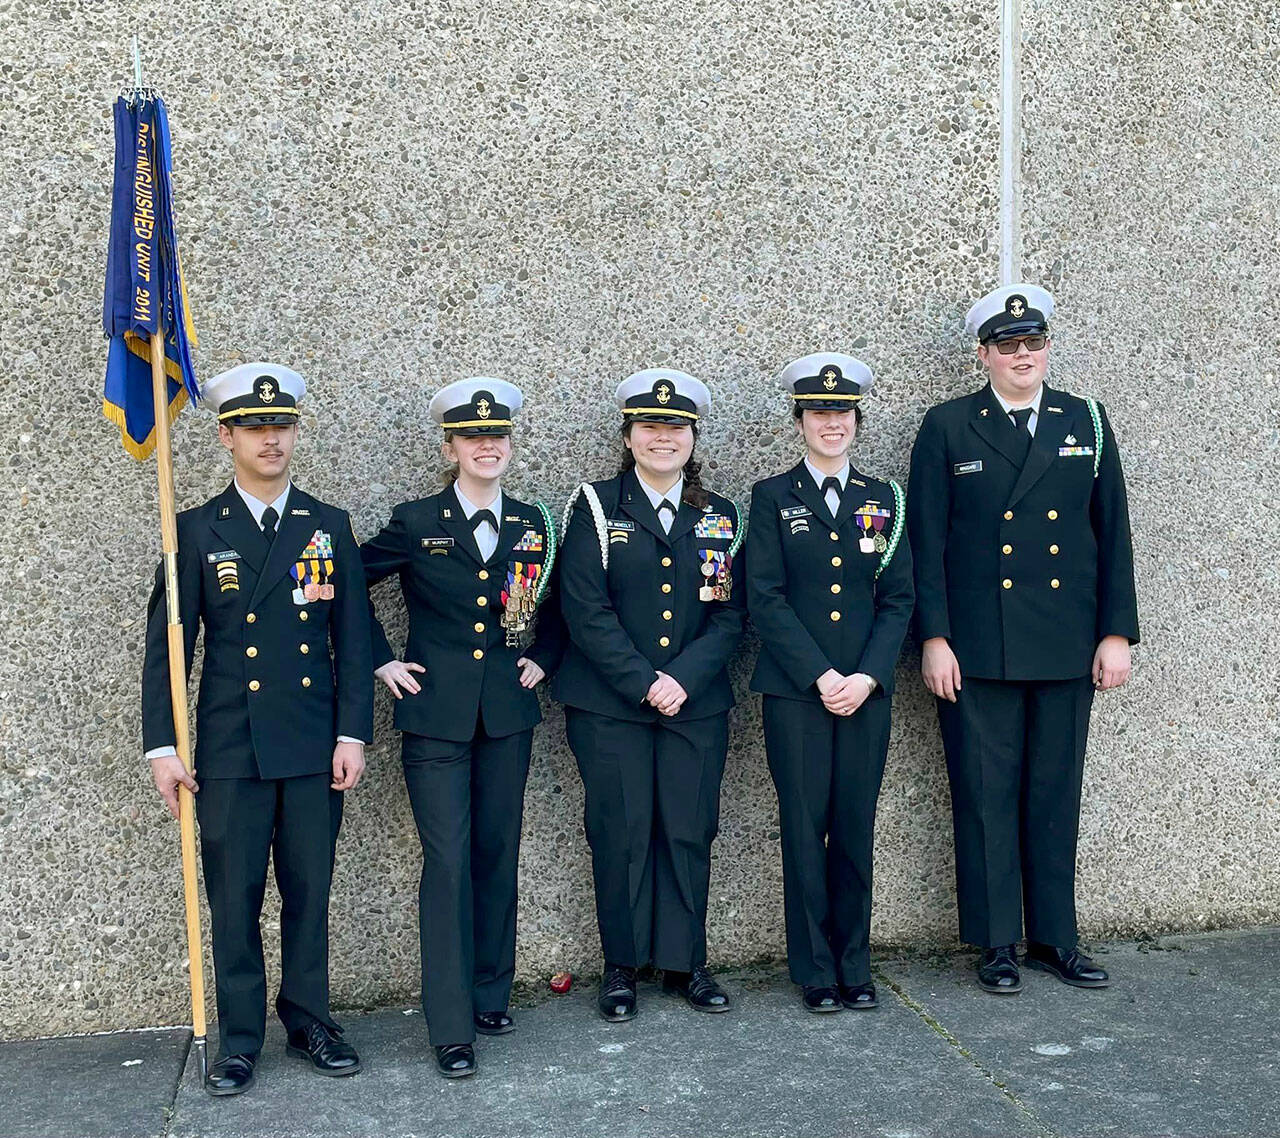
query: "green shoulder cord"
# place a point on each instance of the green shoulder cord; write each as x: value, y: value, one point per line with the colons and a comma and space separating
x: 1096, y: 416
x: 741, y: 532
x: 899, y: 520
x: 544, y: 578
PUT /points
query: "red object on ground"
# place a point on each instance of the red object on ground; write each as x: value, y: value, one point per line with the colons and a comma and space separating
x: 561, y: 982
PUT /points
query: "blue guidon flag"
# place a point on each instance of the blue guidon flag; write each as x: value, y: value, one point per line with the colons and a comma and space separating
x: 145, y: 291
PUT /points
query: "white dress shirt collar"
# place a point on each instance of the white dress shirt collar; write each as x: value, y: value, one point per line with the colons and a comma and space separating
x: 1007, y: 406
x: 819, y: 478
x: 469, y: 507
x: 672, y: 495
x: 257, y: 508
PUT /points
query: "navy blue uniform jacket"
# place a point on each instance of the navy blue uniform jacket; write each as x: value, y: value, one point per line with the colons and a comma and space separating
x: 813, y: 594
x: 1023, y: 566
x: 644, y: 613
x: 454, y: 598
x: 280, y: 681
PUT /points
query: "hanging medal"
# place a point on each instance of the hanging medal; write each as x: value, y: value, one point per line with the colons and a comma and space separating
x: 519, y: 599
x: 707, y: 592
x: 871, y: 520
x: 724, y: 580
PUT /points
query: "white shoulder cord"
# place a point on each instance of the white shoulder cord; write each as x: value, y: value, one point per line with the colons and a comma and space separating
x: 597, y: 513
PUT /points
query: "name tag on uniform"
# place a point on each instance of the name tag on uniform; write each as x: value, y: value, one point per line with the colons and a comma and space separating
x: 225, y: 555
x: 437, y: 544
x: 795, y: 512
x: 622, y: 524
x: 974, y: 467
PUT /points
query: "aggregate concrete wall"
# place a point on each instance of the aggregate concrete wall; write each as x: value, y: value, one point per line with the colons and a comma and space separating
x: 388, y: 196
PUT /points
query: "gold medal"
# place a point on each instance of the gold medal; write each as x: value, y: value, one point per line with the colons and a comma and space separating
x: 879, y: 542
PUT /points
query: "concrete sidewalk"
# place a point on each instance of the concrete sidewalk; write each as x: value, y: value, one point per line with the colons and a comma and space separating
x: 1184, y: 1043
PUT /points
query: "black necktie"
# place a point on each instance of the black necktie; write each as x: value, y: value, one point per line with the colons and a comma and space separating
x: 671, y: 510
x: 484, y: 516
x: 832, y: 483
x: 1021, y: 419
x: 269, y: 519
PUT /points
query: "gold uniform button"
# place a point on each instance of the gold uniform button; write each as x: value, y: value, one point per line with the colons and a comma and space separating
x: 1053, y: 549
x: 306, y: 681
x: 479, y: 626
x: 666, y: 586
x: 483, y: 574
x: 482, y: 601
x: 1007, y: 583
x: 836, y: 562
x: 835, y: 536
x: 251, y: 651
x: 1054, y: 583
x: 304, y: 648
x: 1053, y: 515
x: 835, y: 588
x: 666, y: 614
x: 254, y: 685
x: 478, y: 654
x: 666, y: 562
x: 1006, y: 549
x: 665, y: 641
x: 250, y: 617
x: 835, y: 615
x: 302, y: 615
x: 1008, y: 515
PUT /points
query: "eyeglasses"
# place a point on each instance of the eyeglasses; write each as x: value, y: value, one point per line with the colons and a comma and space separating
x: 1032, y: 344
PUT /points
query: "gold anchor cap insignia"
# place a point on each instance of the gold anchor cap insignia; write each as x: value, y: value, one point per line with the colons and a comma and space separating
x: 1017, y: 307
x: 664, y: 394
x: 829, y: 379
x: 482, y: 408
x: 267, y: 391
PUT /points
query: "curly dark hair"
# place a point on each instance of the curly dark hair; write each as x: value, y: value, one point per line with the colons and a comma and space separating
x: 694, y: 493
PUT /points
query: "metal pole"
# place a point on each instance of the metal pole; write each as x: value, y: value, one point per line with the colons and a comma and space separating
x: 1010, y: 140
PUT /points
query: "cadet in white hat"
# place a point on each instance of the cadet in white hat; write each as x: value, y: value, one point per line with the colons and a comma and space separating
x: 474, y: 565
x: 285, y: 707
x: 829, y: 590
x: 1025, y: 606
x: 648, y: 593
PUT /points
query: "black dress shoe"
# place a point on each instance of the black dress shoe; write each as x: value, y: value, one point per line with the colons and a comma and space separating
x: 325, y: 1049
x: 998, y: 971
x: 617, y: 999
x: 859, y: 996
x: 1068, y: 964
x: 494, y: 1023
x: 456, y: 1060
x: 232, y: 1075
x: 698, y: 988
x: 821, y: 1001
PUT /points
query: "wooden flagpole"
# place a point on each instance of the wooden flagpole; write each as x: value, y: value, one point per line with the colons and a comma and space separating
x: 178, y: 695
